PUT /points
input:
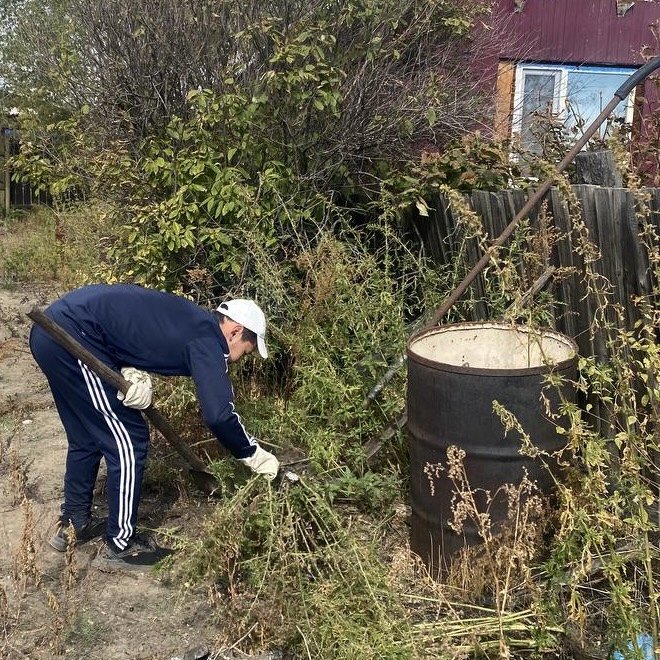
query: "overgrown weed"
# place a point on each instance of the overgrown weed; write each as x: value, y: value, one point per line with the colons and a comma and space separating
x: 66, y: 621
x: 338, y: 317
x: 52, y: 244
x: 286, y: 570
x: 13, y: 466
x: 299, y: 571
x: 25, y: 568
x: 25, y: 584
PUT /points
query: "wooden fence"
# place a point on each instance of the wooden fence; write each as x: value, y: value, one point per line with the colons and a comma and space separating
x: 14, y: 194
x: 609, y: 215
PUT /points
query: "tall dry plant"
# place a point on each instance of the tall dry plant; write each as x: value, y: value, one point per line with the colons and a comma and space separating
x: 25, y: 567
x: 608, y: 505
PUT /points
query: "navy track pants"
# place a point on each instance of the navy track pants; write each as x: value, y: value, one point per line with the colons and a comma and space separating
x: 97, y: 425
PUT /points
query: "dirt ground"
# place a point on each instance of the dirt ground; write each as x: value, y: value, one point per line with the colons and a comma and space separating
x: 51, y: 607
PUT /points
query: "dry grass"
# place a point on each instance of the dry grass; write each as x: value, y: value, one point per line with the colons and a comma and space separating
x: 46, y: 244
x: 13, y: 467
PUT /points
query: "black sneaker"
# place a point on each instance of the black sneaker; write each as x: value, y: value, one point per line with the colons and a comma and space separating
x: 93, y: 528
x: 141, y: 554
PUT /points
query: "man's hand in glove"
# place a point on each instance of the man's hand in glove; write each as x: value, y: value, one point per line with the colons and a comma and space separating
x: 262, y: 462
x: 139, y: 393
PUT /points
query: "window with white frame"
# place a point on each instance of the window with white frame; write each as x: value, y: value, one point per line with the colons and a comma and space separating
x: 573, y: 94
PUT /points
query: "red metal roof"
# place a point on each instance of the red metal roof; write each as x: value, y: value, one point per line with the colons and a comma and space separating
x: 579, y: 31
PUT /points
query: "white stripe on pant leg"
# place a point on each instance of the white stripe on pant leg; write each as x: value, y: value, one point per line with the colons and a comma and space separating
x: 120, y: 434
x: 127, y: 461
x: 93, y: 392
x: 124, y: 450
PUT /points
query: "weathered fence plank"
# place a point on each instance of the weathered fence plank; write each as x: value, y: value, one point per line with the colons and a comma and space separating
x: 597, y: 168
x: 567, y: 310
x: 610, y: 217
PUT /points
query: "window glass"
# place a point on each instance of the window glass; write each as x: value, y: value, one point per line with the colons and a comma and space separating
x: 573, y: 95
x: 539, y: 91
x: 589, y: 91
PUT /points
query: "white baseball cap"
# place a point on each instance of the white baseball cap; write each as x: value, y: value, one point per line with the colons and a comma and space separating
x: 250, y: 316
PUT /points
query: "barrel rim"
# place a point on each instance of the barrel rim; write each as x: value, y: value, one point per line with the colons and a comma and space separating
x: 531, y: 371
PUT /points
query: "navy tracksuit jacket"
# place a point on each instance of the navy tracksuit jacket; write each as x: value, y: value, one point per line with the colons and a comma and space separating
x: 127, y: 325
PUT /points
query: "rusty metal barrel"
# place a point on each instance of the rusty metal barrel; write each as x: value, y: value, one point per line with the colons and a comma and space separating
x: 455, y: 373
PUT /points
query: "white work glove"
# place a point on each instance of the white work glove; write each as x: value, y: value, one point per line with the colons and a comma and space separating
x: 262, y: 462
x: 139, y: 393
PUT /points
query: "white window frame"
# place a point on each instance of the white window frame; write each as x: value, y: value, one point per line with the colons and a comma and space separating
x: 561, y: 72
x: 560, y: 90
